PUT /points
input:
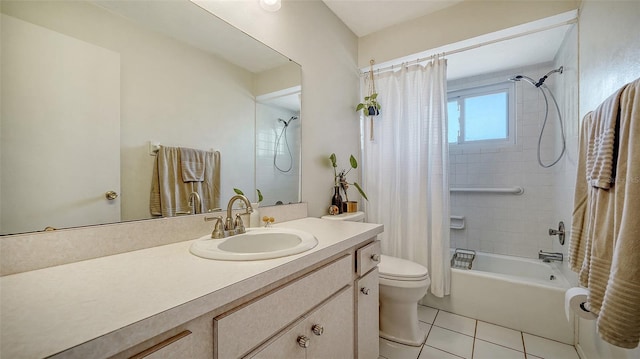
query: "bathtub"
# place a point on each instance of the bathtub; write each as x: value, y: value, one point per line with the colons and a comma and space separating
x: 518, y: 293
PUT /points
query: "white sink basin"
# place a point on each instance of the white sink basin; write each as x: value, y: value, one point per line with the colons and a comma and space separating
x: 257, y: 243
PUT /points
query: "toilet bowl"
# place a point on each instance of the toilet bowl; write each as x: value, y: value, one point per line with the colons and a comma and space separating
x: 402, y: 284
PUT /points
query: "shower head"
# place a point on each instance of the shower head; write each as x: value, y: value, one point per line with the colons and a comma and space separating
x: 520, y: 77
x: 286, y: 123
x: 539, y: 82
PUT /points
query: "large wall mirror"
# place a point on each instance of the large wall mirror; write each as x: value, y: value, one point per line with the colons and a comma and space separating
x: 90, y: 87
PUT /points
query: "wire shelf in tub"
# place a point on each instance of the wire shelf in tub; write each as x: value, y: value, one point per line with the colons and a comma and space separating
x: 463, y: 258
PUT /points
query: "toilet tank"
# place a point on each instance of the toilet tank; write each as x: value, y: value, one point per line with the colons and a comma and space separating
x: 351, y: 217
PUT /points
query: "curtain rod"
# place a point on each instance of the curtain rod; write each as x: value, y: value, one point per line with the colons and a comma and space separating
x: 467, y: 48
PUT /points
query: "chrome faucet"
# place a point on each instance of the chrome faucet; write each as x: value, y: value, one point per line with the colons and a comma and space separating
x: 194, y: 202
x: 236, y: 227
x: 550, y: 256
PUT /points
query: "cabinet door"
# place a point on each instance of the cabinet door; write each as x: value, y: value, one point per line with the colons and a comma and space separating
x: 368, y: 315
x: 285, y: 346
x: 334, y: 331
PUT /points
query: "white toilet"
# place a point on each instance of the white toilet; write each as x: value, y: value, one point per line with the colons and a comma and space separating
x: 402, y: 284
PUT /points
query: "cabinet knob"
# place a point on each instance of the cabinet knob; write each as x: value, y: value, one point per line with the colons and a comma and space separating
x: 317, y: 329
x: 365, y: 290
x: 375, y: 257
x: 303, y: 341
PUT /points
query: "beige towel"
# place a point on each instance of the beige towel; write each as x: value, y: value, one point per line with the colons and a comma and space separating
x: 170, y: 194
x: 619, y: 319
x: 605, y: 239
x: 578, y: 242
x: 192, y: 163
x: 601, y: 146
x: 210, y: 192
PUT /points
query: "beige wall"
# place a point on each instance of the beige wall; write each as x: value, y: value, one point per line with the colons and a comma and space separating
x: 609, y: 58
x: 311, y: 35
x: 456, y: 23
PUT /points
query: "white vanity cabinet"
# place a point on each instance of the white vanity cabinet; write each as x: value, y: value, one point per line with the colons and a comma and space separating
x: 240, y: 331
x: 331, y: 312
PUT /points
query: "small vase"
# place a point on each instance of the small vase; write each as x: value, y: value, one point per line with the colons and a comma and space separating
x: 373, y: 111
x: 336, y: 200
x: 254, y: 217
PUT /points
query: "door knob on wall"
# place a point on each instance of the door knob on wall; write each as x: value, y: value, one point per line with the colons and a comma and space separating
x: 111, y: 195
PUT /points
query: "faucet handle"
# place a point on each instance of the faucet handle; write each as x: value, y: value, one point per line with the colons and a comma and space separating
x: 239, y: 225
x: 218, y: 232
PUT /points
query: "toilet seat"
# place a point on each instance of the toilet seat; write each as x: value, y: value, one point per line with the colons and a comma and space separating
x: 392, y: 268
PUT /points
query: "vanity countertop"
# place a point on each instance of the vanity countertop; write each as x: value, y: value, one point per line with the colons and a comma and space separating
x: 89, y: 305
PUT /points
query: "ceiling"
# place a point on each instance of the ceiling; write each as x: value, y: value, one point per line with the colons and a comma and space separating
x: 363, y: 16
x: 524, y: 45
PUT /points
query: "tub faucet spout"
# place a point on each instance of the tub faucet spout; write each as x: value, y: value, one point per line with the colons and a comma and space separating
x: 550, y: 256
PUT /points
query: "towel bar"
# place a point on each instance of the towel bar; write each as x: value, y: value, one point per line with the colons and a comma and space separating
x: 154, y: 147
x: 517, y: 190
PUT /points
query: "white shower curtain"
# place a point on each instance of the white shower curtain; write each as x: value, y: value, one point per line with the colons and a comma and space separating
x: 405, y: 171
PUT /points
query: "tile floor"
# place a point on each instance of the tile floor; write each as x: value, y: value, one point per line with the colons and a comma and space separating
x: 451, y: 336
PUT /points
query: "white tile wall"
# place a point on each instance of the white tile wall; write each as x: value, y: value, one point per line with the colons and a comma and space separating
x: 503, y: 223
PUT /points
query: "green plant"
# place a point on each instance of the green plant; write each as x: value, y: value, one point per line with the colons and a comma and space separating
x: 340, y: 178
x: 260, y: 198
x: 370, y: 106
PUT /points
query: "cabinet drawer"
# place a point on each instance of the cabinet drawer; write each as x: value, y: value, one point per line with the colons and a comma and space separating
x: 240, y: 330
x: 328, y: 331
x: 367, y: 257
x: 178, y: 346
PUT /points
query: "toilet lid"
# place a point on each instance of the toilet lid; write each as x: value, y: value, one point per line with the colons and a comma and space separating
x: 350, y: 217
x: 398, y: 268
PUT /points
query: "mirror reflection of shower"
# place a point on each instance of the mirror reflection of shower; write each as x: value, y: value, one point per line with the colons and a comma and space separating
x: 540, y: 85
x: 278, y: 135
x: 286, y: 142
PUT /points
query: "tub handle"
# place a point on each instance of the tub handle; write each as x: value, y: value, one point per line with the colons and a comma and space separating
x: 558, y: 232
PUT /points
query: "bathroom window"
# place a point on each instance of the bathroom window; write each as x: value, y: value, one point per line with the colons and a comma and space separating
x: 482, y: 115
